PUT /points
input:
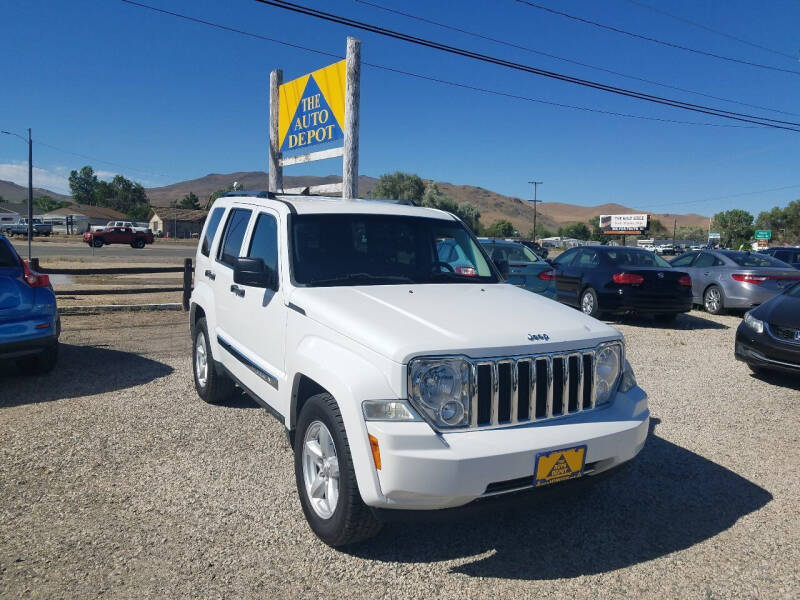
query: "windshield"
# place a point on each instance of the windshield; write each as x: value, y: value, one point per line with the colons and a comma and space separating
x: 626, y: 257
x: 510, y: 252
x: 746, y: 259
x: 360, y: 249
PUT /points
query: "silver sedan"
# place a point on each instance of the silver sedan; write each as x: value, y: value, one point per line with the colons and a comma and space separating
x: 724, y: 279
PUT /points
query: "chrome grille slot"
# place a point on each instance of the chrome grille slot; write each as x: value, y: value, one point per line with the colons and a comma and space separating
x: 531, y: 388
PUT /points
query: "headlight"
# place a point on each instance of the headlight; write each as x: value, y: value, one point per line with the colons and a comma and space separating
x: 388, y: 410
x: 756, y: 325
x: 608, y: 360
x: 628, y: 381
x: 439, y: 388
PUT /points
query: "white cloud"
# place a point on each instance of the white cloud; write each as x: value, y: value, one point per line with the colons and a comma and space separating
x: 42, y: 178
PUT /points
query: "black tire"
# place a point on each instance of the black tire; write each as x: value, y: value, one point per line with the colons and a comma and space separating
x: 214, y: 388
x: 42, y: 363
x: 138, y: 244
x: 666, y: 317
x: 714, y: 300
x: 352, y: 521
x: 589, y: 303
x: 97, y: 242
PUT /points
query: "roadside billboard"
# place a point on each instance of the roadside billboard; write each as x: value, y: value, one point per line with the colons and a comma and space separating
x: 624, y: 224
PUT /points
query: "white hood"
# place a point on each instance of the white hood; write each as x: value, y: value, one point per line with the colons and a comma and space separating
x: 403, y: 321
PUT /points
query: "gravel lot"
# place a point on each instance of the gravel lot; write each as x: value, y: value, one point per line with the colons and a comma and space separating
x: 115, y: 479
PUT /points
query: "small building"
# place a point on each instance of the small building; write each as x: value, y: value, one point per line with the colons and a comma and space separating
x: 8, y: 216
x: 177, y: 222
x: 81, y: 217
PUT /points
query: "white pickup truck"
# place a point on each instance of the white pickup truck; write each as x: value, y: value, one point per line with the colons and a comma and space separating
x: 403, y: 382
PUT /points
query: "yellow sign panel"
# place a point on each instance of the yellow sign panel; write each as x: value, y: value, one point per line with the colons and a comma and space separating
x: 311, y: 108
x: 559, y: 465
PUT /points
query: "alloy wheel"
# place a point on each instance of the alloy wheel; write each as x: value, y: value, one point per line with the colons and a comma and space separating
x: 587, y: 304
x: 321, y: 470
x: 713, y: 300
x: 201, y: 360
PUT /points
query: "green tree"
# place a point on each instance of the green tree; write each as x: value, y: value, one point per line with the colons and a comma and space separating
x: 123, y: 195
x: 597, y: 234
x: 190, y: 200
x: 217, y: 194
x: 657, y: 228
x: 579, y: 231
x: 784, y: 222
x: 735, y: 225
x: 400, y: 186
x: 433, y: 197
x: 541, y: 232
x: 139, y: 212
x: 691, y: 233
x: 83, y: 185
x: 47, y: 203
x: 500, y: 229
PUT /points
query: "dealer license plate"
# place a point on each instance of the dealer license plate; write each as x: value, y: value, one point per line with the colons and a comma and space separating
x: 558, y: 465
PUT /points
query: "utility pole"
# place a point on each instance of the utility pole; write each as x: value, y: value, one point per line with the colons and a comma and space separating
x: 30, y: 185
x: 536, y: 185
x: 674, y: 231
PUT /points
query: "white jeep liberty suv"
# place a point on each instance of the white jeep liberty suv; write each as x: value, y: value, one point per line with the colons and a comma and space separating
x: 407, y: 377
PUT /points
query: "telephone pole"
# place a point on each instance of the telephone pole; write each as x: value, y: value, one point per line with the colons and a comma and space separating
x: 30, y: 185
x: 535, y: 185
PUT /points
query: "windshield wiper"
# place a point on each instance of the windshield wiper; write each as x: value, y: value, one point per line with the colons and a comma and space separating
x: 351, y: 277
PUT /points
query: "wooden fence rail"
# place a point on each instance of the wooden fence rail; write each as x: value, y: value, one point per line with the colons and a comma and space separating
x: 186, y: 288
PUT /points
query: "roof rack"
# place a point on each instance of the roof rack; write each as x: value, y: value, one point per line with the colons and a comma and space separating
x: 256, y: 193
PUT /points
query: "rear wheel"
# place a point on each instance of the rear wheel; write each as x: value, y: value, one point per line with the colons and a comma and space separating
x: 713, y: 301
x: 139, y: 244
x: 589, y: 304
x: 210, y: 385
x: 326, y: 479
x: 44, y: 362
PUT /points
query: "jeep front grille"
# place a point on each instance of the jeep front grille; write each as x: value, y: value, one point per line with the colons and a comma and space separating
x: 533, y: 388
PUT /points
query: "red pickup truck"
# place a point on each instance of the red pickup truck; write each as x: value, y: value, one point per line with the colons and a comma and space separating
x: 118, y: 235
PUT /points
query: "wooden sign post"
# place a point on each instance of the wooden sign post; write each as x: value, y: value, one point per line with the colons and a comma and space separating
x: 317, y: 108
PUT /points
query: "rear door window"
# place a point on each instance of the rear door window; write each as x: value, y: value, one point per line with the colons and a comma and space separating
x: 588, y: 259
x: 211, y: 229
x: 685, y: 260
x: 705, y: 260
x: 235, y: 228
x: 8, y: 257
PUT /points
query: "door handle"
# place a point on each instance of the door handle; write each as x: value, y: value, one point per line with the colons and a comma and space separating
x: 706, y: 274
x: 210, y: 274
x: 237, y: 290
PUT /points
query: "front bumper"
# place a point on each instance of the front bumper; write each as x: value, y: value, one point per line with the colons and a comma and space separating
x: 423, y: 470
x: 762, y: 350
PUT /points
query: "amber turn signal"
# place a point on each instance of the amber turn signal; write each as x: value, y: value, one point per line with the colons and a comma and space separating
x: 376, y: 451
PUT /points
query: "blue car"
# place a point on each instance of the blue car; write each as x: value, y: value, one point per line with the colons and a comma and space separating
x: 526, y: 269
x: 29, y: 323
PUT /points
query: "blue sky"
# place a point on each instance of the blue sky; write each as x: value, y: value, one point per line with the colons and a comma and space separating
x: 161, y: 100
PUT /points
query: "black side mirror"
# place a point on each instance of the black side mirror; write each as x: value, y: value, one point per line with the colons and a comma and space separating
x: 502, y: 266
x: 253, y: 272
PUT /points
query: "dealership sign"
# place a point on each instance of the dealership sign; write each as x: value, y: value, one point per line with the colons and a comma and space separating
x: 312, y: 108
x: 624, y: 224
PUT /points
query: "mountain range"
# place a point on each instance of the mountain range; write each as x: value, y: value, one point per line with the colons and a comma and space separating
x: 492, y: 206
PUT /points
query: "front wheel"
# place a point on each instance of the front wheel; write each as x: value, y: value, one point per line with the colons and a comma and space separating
x: 589, y: 304
x: 325, y: 476
x: 713, y: 302
x: 211, y: 386
x: 97, y: 243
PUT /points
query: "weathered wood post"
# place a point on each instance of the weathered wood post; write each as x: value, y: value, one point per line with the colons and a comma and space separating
x: 275, y: 168
x: 351, y: 119
x: 187, y: 282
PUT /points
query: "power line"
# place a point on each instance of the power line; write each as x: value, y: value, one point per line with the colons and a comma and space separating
x: 712, y: 30
x: 99, y: 160
x: 654, y: 40
x: 740, y: 194
x: 758, y: 120
x: 431, y: 78
x: 567, y: 60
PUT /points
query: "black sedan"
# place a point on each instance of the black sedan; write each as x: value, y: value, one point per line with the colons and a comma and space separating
x: 620, y: 280
x: 768, y: 337
x: 786, y: 254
